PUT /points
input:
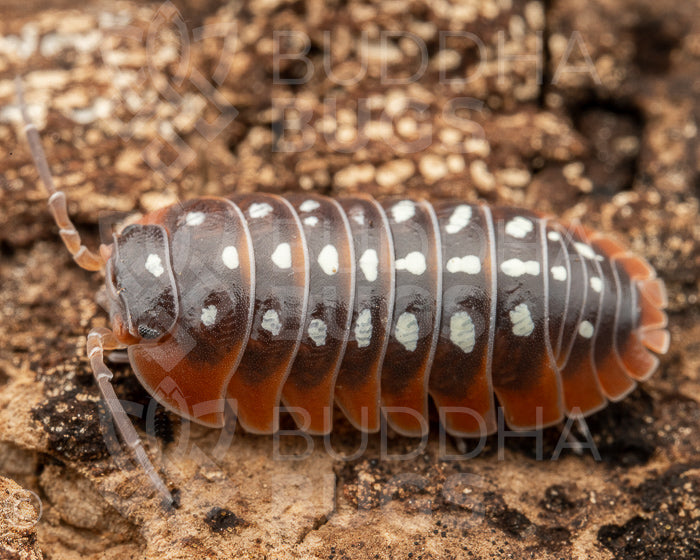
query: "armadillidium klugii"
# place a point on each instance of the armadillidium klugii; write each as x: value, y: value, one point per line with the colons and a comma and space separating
x: 311, y: 301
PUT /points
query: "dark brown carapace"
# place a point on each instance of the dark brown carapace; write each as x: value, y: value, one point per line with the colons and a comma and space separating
x: 258, y: 300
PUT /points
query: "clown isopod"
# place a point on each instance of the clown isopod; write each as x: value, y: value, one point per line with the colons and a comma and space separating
x: 259, y: 300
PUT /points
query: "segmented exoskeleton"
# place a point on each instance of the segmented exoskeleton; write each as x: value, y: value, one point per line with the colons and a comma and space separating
x: 258, y: 299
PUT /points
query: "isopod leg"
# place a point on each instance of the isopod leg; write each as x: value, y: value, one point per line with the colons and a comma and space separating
x: 98, y: 341
x: 57, y: 199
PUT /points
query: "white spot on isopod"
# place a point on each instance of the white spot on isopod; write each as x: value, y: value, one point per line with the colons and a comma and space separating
x: 406, y: 331
x: 363, y: 328
x: 271, y: 322
x: 230, y: 257
x: 154, y: 265
x: 469, y: 264
x: 559, y: 273
x: 194, y: 218
x: 462, y: 332
x: 414, y: 263
x: 596, y: 284
x: 522, y: 320
x: 585, y: 329
x: 519, y: 227
x: 516, y: 268
x: 317, y: 331
x: 208, y: 315
x: 282, y: 256
x: 459, y: 219
x: 358, y: 217
x: 309, y: 206
x: 369, y: 263
x: 585, y: 250
x: 403, y: 210
x: 328, y: 260
x: 259, y: 209
x: 311, y: 221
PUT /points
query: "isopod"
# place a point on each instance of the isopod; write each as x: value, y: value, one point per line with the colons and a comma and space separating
x: 310, y: 301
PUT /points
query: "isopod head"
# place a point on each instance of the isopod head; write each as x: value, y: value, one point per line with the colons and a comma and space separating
x: 140, y: 284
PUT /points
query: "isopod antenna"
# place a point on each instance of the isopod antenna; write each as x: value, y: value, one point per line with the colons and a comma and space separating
x: 57, y: 199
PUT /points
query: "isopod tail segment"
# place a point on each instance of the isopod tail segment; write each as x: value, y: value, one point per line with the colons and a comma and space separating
x: 100, y: 339
x: 643, y: 320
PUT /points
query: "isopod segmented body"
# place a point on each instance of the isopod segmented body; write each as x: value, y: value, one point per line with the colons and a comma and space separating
x: 310, y: 300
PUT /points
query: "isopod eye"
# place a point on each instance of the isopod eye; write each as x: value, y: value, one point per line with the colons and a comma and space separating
x: 145, y: 290
x: 148, y: 332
